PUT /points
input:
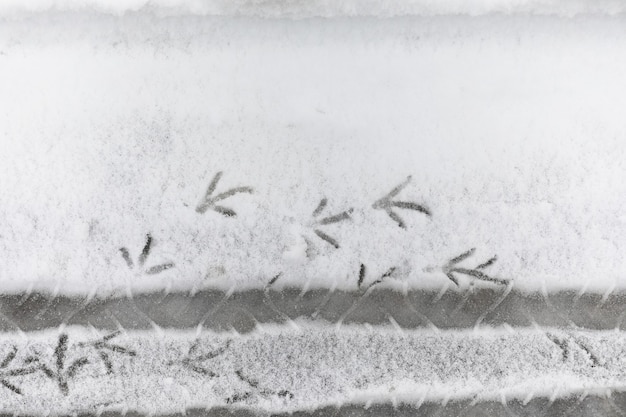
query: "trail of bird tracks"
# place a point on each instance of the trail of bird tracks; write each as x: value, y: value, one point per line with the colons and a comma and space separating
x: 282, y: 368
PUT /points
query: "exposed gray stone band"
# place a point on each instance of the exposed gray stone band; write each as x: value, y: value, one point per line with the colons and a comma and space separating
x: 242, y: 311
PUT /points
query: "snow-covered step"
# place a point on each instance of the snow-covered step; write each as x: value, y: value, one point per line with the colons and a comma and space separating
x: 285, y: 368
x: 245, y: 148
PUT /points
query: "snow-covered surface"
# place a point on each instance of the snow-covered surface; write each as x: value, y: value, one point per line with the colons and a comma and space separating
x: 112, y: 128
x: 317, y: 8
x: 281, y: 369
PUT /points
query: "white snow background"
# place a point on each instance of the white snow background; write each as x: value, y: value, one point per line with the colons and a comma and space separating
x: 319, y: 8
x: 113, y: 121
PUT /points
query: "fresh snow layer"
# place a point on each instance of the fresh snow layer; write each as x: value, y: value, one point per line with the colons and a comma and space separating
x: 317, y: 8
x: 512, y: 129
x: 283, y: 369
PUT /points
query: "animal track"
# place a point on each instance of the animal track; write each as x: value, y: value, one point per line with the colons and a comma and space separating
x: 344, y: 215
x: 143, y: 257
x: 363, y: 271
x: 273, y: 280
x: 193, y: 362
x: 388, y: 205
x: 254, y: 385
x: 364, y: 293
x: 450, y: 269
x: 238, y: 398
x: 209, y: 201
x: 60, y: 373
x: 7, y: 373
x: 564, y: 345
x: 102, y: 345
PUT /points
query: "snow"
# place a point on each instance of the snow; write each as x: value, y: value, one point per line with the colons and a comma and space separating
x: 285, y: 369
x: 511, y: 128
x: 317, y: 8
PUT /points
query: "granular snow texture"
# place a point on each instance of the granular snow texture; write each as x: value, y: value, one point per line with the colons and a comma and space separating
x: 278, y: 369
x: 113, y: 128
x: 300, y: 9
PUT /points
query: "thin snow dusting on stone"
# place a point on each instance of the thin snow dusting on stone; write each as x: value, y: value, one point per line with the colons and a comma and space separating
x: 277, y: 369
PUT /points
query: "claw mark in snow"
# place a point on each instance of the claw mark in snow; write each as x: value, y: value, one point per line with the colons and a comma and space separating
x: 274, y: 279
x: 255, y: 387
x: 141, y: 260
x: 592, y: 357
x: 364, y: 293
x: 7, y: 373
x: 450, y: 269
x: 363, y: 271
x: 388, y: 205
x: 389, y: 273
x: 193, y: 361
x: 210, y: 200
x: 102, y: 345
x: 563, y: 344
x: 344, y: 215
x: 59, y: 372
